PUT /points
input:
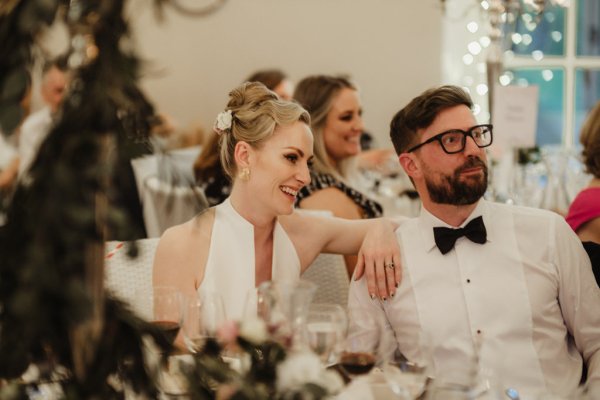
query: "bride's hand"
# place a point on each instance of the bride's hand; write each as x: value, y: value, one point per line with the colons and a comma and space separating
x: 379, y: 257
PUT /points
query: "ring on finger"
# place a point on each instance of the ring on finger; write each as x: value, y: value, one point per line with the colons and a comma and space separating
x: 390, y: 265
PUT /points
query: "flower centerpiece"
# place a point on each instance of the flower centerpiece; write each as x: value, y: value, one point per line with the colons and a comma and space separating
x: 250, y: 361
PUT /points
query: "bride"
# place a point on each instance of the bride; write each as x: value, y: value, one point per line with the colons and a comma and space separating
x: 266, y: 147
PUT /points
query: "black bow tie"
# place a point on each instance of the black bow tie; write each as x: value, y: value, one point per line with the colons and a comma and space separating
x: 446, y: 237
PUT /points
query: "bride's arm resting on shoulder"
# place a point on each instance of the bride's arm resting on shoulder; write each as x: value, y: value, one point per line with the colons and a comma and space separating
x: 373, y: 240
x: 380, y: 248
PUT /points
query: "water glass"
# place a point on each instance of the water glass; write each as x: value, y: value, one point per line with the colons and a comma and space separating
x: 203, y: 315
x: 406, y: 379
x: 326, y: 326
x: 283, y: 306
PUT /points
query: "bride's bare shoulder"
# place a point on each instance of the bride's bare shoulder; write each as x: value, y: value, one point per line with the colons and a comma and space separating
x: 181, y: 254
x: 192, y: 232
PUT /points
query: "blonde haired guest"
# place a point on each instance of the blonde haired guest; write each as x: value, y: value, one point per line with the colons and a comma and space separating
x: 255, y: 235
x: 336, y: 121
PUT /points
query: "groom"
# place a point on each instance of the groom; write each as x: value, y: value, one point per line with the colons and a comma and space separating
x: 509, y: 286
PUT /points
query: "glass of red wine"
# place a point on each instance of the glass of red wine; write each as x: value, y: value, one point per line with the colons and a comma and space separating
x: 167, y: 311
x: 361, y: 349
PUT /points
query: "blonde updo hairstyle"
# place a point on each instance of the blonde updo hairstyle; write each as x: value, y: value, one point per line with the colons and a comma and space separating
x: 256, y: 113
x: 590, y: 139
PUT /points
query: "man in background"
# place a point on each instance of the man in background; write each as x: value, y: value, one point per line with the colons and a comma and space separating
x: 36, y: 127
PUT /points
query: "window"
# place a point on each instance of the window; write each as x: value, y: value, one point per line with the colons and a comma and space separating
x: 558, y: 50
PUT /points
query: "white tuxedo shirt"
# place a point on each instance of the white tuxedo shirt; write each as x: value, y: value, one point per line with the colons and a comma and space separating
x: 527, y: 296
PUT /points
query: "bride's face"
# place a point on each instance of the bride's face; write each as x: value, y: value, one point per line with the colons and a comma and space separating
x: 281, y: 167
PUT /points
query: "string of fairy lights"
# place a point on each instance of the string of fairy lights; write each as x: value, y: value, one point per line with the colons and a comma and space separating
x: 502, y: 33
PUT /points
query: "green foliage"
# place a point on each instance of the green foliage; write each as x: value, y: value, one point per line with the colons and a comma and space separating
x: 53, y: 223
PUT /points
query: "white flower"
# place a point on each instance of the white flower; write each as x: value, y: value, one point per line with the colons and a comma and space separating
x: 331, y: 381
x: 254, y: 330
x: 223, y: 122
x: 300, y: 368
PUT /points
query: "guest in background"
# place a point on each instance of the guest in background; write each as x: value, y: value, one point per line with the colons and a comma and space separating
x: 275, y: 80
x: 9, y: 164
x: 9, y: 154
x: 584, y: 212
x: 255, y: 235
x: 36, y: 127
x: 511, y: 289
x: 336, y: 121
x: 208, y: 171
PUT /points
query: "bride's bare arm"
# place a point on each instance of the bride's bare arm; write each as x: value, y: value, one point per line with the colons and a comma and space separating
x: 170, y: 267
x: 181, y: 255
x: 373, y: 239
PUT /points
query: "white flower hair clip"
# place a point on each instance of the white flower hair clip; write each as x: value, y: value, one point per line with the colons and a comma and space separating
x: 223, y: 122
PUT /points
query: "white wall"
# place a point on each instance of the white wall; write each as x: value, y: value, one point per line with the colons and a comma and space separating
x: 392, y: 49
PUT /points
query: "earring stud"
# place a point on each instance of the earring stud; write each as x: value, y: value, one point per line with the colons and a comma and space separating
x: 244, y: 174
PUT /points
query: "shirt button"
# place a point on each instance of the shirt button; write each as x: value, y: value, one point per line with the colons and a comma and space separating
x: 468, y: 281
x: 478, y: 331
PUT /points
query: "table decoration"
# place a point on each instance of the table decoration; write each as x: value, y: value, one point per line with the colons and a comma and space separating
x: 266, y: 368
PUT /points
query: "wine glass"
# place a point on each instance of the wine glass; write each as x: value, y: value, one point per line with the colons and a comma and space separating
x: 460, y: 376
x: 326, y: 326
x: 203, y: 315
x: 405, y: 378
x: 283, y: 306
x: 361, y: 348
x: 162, y: 306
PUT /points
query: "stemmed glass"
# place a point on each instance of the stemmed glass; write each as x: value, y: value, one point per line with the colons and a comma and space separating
x: 405, y: 378
x: 283, y: 306
x: 203, y: 315
x: 326, y: 326
x: 162, y: 306
x: 361, y: 348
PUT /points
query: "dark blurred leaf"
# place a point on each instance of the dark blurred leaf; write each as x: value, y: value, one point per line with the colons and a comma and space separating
x: 35, y: 14
x: 10, y: 117
x: 15, y: 85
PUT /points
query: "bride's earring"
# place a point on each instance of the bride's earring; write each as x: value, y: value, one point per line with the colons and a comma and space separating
x: 244, y: 174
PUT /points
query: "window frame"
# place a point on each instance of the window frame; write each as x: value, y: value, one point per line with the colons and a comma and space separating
x: 570, y: 62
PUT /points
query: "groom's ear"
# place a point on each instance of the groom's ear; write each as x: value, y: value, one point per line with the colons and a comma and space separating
x: 410, y: 164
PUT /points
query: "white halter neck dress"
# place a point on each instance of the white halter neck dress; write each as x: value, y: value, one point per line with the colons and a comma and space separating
x: 230, y: 268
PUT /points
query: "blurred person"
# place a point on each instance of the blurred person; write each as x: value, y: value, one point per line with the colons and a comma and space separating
x: 336, y: 122
x: 208, y: 171
x: 275, y: 80
x: 504, y: 288
x: 584, y: 211
x: 55, y: 78
x: 255, y: 235
x: 9, y: 154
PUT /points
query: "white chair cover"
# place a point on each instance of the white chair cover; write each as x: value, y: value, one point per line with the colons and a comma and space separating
x: 124, y: 276
x: 166, y: 187
x: 165, y: 205
x: 328, y: 271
